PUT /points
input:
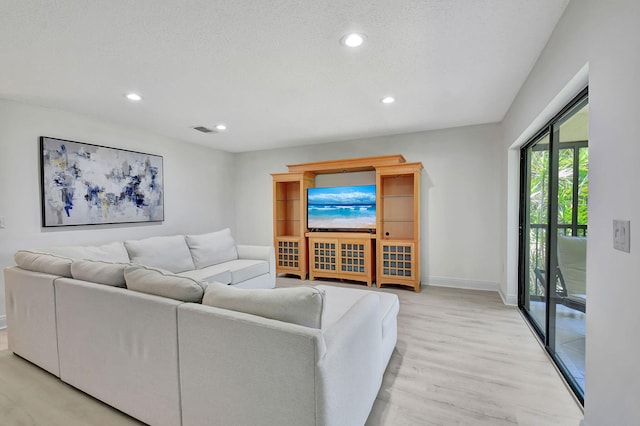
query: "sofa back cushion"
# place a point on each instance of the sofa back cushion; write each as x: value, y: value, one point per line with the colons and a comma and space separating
x: 170, y: 253
x: 57, y: 260
x: 163, y: 283
x: 97, y: 271
x: 213, y: 248
x: 39, y: 261
x: 297, y: 305
x: 111, y: 252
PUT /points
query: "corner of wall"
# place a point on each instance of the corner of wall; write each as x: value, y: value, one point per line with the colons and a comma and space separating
x: 509, y: 300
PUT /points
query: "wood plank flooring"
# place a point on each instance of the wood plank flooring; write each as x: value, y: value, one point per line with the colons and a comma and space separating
x: 462, y: 358
x: 3, y: 340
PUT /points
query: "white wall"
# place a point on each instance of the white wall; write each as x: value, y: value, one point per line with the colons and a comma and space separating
x: 557, y: 77
x: 199, y: 190
x: 460, y: 196
x: 605, y: 35
x: 613, y: 277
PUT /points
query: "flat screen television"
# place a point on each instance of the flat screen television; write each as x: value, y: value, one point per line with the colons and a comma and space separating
x: 341, y: 208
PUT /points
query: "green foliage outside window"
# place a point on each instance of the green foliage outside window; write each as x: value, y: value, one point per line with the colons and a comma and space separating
x: 539, y: 201
x: 539, y: 183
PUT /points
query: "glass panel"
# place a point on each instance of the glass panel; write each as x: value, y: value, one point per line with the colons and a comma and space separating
x: 565, y: 187
x: 569, y: 303
x: 536, y: 229
x: 583, y: 187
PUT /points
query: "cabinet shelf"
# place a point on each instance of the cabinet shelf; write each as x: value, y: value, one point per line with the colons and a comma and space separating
x: 402, y: 240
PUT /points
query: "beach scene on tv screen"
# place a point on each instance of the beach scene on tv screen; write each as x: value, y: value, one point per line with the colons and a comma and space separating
x: 345, y: 207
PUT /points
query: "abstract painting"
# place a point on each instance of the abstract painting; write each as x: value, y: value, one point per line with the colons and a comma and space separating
x: 85, y: 184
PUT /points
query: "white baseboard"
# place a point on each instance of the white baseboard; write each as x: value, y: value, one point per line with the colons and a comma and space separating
x: 511, y: 300
x: 463, y: 283
x: 3, y: 322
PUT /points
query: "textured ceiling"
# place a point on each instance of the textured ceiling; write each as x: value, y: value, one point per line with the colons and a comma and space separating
x: 274, y: 71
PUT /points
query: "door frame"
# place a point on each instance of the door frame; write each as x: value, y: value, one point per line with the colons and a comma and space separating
x: 548, y: 337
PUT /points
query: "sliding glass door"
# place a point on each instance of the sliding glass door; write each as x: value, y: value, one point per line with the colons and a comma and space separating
x: 553, y: 231
x: 535, y: 231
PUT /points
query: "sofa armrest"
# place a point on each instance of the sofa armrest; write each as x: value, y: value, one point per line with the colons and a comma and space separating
x: 351, y: 371
x: 31, y: 317
x: 255, y: 252
x: 266, y: 253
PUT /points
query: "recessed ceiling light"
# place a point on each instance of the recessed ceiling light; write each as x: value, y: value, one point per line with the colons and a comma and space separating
x: 353, y: 40
x: 387, y: 100
x: 133, y: 97
x: 221, y: 127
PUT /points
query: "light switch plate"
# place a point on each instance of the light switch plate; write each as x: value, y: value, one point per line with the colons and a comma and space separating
x: 622, y: 235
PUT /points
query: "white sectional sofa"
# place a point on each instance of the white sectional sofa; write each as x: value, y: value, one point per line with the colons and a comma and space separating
x: 166, y: 355
x: 207, y: 257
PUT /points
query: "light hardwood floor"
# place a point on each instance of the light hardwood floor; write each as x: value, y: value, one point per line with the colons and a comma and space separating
x: 3, y: 340
x: 462, y: 358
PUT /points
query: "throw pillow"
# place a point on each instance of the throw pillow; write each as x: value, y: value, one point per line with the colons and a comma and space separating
x: 297, y: 305
x: 163, y: 283
x: 213, y: 248
x: 100, y: 272
x: 170, y: 253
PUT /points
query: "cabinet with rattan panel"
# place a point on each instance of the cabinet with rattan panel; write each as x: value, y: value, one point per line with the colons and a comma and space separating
x: 341, y: 255
x: 289, y: 222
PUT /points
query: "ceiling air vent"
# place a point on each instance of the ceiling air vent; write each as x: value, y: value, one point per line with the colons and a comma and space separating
x: 204, y: 129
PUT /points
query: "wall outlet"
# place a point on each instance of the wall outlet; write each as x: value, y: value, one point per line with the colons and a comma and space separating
x: 1, y: 222
x: 622, y: 235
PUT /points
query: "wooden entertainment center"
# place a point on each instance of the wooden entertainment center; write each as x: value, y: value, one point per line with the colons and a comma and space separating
x: 390, y: 255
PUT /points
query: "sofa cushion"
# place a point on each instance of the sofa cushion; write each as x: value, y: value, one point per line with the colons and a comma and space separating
x: 163, y: 283
x: 232, y: 272
x: 38, y: 261
x: 245, y: 269
x: 170, y: 253
x: 108, y: 273
x: 297, y: 305
x: 213, y: 248
x: 218, y: 273
x: 112, y: 252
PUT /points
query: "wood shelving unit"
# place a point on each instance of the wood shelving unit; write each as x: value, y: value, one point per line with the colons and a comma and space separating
x: 398, y: 224
x: 289, y: 222
x: 390, y: 256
